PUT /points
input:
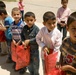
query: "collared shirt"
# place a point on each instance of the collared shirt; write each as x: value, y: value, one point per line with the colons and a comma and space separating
x: 51, y: 39
x: 62, y: 14
x: 30, y: 33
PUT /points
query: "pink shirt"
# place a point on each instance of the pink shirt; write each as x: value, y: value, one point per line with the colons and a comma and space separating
x: 21, y: 5
x: 52, y: 40
x: 62, y: 14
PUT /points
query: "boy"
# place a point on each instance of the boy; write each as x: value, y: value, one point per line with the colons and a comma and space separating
x: 62, y: 16
x: 16, y: 29
x: 21, y: 7
x: 28, y: 36
x: 7, y: 20
x: 68, y: 47
x: 49, y: 37
x: 3, y: 45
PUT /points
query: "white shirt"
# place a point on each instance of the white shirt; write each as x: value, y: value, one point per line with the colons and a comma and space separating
x: 52, y: 39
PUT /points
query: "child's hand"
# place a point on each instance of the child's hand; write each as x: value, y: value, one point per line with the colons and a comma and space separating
x: 45, y: 49
x: 58, y: 65
x: 23, y: 43
x: 68, y: 68
x: 14, y: 42
x: 27, y: 42
x: 62, y: 24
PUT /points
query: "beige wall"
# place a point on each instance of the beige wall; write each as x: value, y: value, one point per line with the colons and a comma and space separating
x: 9, y: 0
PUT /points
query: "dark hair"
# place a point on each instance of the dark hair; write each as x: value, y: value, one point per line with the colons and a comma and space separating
x: 28, y: 14
x: 48, y: 15
x: 3, y: 10
x: 71, y: 18
x: 15, y: 9
x: 64, y: 0
x: 2, y: 4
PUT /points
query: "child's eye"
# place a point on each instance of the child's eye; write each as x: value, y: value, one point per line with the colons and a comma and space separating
x: 31, y: 20
x: 73, y: 29
x: 53, y: 22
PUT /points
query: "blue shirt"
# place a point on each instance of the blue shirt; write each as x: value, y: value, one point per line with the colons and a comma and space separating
x: 7, y: 22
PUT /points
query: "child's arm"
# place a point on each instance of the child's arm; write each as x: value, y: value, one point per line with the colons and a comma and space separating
x: 39, y: 39
x: 14, y: 42
x: 68, y: 68
x: 33, y: 39
x: 58, y: 16
x: 2, y: 27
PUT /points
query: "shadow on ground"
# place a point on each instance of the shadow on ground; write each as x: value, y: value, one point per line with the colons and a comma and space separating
x: 8, y: 66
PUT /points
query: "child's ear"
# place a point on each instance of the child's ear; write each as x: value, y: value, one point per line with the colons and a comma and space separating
x: 44, y: 23
x: 35, y: 19
x: 67, y: 28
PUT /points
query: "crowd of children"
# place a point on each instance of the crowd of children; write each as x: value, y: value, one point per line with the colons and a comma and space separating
x: 20, y: 29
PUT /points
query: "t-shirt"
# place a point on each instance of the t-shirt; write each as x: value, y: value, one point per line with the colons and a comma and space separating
x: 7, y: 22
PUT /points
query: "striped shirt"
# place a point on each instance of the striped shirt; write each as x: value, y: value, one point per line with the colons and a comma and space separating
x: 68, y: 52
x: 16, y: 30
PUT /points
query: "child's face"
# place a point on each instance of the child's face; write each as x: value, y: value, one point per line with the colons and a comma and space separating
x: 2, y: 16
x: 30, y: 21
x: 50, y: 24
x: 64, y: 3
x: 16, y: 15
x: 20, y: 0
x: 72, y: 31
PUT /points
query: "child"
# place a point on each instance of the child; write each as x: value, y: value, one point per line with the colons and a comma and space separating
x: 3, y: 45
x: 68, y: 47
x: 21, y: 7
x: 16, y: 29
x: 62, y: 16
x: 49, y: 37
x: 28, y: 36
x: 7, y: 20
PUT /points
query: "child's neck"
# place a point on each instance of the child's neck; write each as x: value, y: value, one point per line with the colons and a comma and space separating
x: 64, y: 7
x: 16, y: 22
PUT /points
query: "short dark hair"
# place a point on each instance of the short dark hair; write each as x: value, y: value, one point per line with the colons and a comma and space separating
x: 28, y: 14
x: 3, y: 10
x: 49, y: 15
x: 2, y: 4
x: 71, y: 18
x: 64, y: 0
x: 15, y: 9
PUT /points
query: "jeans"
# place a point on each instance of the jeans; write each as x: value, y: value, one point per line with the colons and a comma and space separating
x: 22, y: 12
x: 34, y: 63
x: 64, y: 30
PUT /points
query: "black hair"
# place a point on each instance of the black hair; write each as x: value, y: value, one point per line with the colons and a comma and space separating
x: 28, y: 14
x: 64, y: 0
x: 3, y: 11
x: 49, y: 15
x: 71, y: 18
x: 2, y: 4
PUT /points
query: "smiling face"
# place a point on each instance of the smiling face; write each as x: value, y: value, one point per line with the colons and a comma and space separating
x: 16, y: 15
x: 50, y: 24
x: 72, y: 31
x: 30, y: 21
